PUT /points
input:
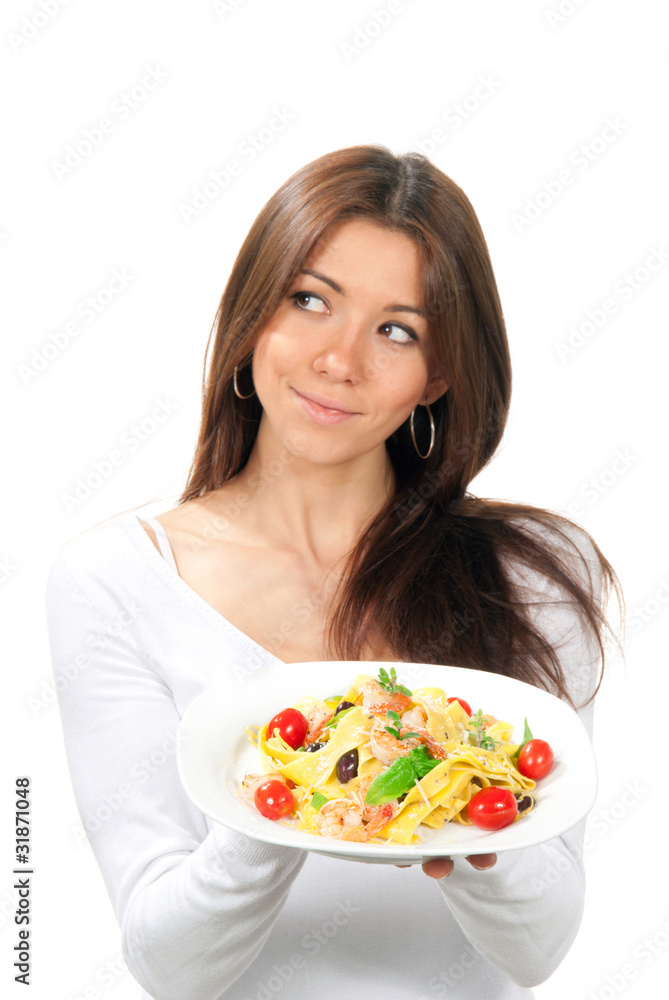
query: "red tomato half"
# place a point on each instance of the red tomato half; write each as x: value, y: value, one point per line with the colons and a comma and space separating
x: 464, y: 704
x: 292, y: 727
x: 274, y: 799
x: 535, y: 759
x: 492, y: 808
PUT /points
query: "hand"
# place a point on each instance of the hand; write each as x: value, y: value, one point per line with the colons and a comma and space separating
x: 441, y: 867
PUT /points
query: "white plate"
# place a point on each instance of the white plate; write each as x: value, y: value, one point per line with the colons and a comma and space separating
x: 214, y: 754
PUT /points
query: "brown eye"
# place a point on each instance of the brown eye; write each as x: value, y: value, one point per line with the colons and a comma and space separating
x: 409, y: 335
x: 307, y: 300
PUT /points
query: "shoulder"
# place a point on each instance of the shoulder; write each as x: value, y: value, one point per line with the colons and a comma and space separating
x: 563, y: 621
x: 199, y: 529
x: 94, y: 562
x: 569, y: 544
x: 220, y: 512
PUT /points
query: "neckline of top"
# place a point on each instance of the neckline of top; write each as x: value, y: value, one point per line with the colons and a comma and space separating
x: 221, y: 624
x: 171, y: 577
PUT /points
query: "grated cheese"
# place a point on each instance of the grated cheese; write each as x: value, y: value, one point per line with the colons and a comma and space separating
x: 423, y: 795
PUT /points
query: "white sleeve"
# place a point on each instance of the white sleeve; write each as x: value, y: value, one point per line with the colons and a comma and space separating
x: 195, y: 904
x: 523, y: 914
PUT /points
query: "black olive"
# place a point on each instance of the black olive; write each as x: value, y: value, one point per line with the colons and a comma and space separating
x: 313, y: 747
x: 524, y: 802
x: 347, y: 766
x: 342, y: 705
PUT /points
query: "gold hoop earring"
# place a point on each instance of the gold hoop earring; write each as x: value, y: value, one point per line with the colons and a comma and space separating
x: 432, y: 432
x: 236, y: 387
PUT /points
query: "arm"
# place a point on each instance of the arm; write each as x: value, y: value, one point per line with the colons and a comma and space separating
x: 195, y: 902
x: 523, y: 914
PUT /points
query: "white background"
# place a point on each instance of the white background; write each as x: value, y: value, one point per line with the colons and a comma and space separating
x: 536, y: 81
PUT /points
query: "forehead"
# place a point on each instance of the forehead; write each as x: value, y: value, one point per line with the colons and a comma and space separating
x: 359, y: 254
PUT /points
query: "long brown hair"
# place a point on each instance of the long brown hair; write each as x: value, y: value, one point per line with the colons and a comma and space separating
x: 431, y: 572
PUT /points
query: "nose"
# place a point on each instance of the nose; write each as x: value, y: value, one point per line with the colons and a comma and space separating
x: 344, y: 352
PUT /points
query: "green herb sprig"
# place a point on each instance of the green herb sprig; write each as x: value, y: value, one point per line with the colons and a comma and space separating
x: 477, y: 729
x: 396, y: 731
x: 331, y: 723
x: 388, y: 681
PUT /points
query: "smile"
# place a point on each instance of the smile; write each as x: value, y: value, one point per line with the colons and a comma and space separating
x: 320, y: 413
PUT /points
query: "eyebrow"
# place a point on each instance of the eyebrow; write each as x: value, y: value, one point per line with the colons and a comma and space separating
x: 393, y: 307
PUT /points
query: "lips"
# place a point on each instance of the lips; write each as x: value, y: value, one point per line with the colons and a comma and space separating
x: 330, y: 404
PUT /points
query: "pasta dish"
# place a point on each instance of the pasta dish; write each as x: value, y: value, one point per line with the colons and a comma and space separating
x: 379, y: 761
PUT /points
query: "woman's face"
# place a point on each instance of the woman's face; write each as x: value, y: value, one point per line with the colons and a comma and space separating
x: 348, y: 335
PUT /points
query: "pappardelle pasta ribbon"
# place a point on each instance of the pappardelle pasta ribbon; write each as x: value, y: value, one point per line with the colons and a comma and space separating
x: 410, y: 758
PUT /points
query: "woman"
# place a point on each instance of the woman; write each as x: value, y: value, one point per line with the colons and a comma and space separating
x: 359, y: 380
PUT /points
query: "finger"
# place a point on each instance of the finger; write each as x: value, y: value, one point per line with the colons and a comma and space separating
x: 402, y: 866
x: 438, y: 867
x: 482, y: 861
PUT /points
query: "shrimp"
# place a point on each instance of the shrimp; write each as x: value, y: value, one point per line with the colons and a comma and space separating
x: 384, y: 814
x: 342, y: 819
x: 434, y: 746
x: 360, y: 791
x: 377, y: 701
x: 317, y: 715
x: 416, y: 717
x: 251, y: 781
x: 388, y: 748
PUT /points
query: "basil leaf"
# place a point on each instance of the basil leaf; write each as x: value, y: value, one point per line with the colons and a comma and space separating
x: 317, y: 800
x: 391, y: 783
x: 421, y: 762
x: 400, y: 776
x: 527, y: 736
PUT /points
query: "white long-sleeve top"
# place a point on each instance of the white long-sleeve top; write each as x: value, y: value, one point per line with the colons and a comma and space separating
x: 207, y: 913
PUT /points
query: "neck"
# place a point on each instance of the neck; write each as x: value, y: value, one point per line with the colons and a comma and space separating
x: 319, y: 510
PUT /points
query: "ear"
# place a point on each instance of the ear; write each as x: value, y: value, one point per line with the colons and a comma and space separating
x: 436, y: 386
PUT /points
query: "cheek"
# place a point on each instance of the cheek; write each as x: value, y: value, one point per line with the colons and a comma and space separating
x: 275, y: 351
x: 399, y: 384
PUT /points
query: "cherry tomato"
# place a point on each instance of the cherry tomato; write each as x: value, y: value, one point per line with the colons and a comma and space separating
x: 292, y: 727
x: 464, y: 704
x: 535, y: 759
x: 492, y: 808
x: 274, y: 799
